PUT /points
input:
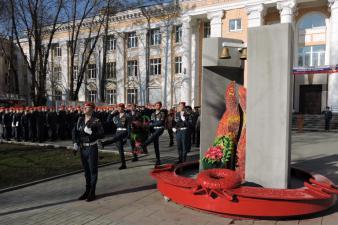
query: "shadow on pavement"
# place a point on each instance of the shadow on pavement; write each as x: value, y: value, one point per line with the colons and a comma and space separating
x: 126, y: 191
x: 326, y: 165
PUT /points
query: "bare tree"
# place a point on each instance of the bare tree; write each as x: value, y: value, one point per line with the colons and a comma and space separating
x: 165, y: 11
x: 86, y: 19
x: 33, y: 25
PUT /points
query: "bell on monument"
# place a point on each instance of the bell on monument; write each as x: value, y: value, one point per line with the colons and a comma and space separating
x: 244, y: 52
x: 225, y: 53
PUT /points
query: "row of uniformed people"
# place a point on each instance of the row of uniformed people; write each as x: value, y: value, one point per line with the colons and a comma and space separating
x: 89, y: 130
x: 36, y: 123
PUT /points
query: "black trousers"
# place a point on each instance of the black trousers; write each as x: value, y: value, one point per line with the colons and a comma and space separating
x: 183, y: 144
x: 171, y: 136
x: 89, y: 159
x: 154, y: 137
x: 118, y: 138
x: 327, y: 124
x: 8, y: 132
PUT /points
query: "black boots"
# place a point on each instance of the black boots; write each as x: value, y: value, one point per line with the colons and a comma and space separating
x: 91, y: 195
x: 122, y: 167
x: 85, y: 194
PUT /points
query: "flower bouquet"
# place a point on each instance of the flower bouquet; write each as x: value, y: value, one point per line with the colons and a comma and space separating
x: 219, y: 154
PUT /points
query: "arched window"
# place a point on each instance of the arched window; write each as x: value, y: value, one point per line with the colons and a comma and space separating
x: 312, y: 20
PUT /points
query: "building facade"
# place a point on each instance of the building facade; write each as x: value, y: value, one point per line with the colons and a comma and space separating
x: 176, y: 48
x: 13, y: 75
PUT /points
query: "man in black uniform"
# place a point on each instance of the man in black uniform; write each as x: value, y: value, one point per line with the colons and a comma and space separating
x: 183, y: 137
x: 7, y: 123
x: 2, y: 112
x: 122, y: 122
x: 156, y: 124
x: 24, y: 124
x: 85, y: 135
x: 328, y: 117
x: 136, y: 121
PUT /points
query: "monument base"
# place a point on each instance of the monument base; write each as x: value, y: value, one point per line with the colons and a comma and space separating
x: 317, y: 194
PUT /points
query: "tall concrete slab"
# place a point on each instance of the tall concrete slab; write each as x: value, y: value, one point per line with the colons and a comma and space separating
x: 269, y: 105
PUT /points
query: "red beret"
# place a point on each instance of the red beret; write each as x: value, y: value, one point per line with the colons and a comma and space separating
x: 90, y: 104
x: 120, y: 105
x: 183, y: 103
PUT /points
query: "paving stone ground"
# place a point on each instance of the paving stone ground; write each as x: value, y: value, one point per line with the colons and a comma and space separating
x: 129, y: 197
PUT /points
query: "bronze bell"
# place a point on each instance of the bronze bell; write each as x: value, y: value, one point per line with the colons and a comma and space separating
x: 225, y: 54
x: 244, y: 52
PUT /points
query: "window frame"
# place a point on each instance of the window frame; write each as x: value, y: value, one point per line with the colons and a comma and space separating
x: 178, y: 64
x: 206, y: 29
x: 92, y: 95
x: 236, y: 29
x: 132, y: 68
x: 111, y: 96
x: 155, y: 37
x: 132, y: 40
x: 155, y: 67
x: 132, y: 95
x: 92, y: 71
x: 111, y: 70
x: 111, y: 43
x: 178, y: 33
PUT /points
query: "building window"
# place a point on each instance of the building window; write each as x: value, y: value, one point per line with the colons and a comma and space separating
x: 155, y: 67
x: 92, y: 71
x: 75, y: 72
x: 155, y: 37
x: 90, y: 43
x: 132, y: 40
x: 111, y: 43
x: 57, y: 73
x: 312, y: 21
x: 311, y: 56
x: 58, y: 95
x: 132, y: 96
x: 111, y: 70
x: 111, y: 97
x: 178, y: 33
x: 57, y: 51
x: 178, y: 64
x: 92, y: 96
x: 207, y: 29
x: 132, y: 68
x: 235, y: 25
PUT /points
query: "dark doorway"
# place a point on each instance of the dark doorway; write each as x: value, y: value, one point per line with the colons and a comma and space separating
x: 310, y: 99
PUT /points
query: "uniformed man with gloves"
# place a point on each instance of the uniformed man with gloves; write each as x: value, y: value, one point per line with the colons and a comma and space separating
x: 182, y: 124
x: 121, y: 120
x: 85, y: 136
x: 156, y: 125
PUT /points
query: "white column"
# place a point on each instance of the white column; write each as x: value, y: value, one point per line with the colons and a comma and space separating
x: 333, y: 78
x: 166, y: 64
x: 215, y: 23
x: 142, y: 78
x: 194, y: 62
x: 120, y: 72
x: 186, y: 60
x: 64, y: 70
x: 286, y: 10
x: 256, y: 15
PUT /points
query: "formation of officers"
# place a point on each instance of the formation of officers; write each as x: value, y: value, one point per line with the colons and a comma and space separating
x: 88, y: 125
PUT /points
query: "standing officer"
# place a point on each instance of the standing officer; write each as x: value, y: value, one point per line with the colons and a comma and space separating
x: 328, y: 117
x: 183, y: 136
x: 122, y: 122
x: 156, y: 125
x: 85, y: 135
x: 136, y: 123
